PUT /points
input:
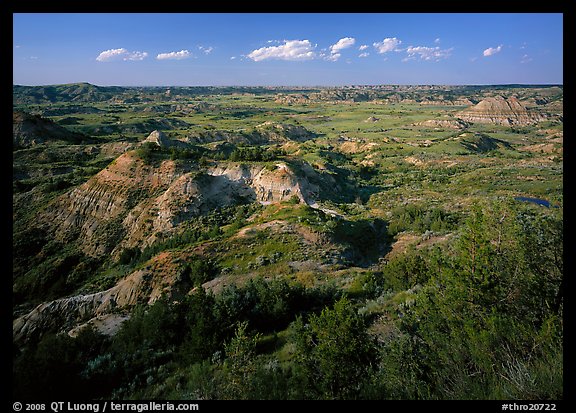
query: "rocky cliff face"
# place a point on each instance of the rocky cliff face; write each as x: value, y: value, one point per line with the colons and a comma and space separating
x: 276, y: 185
x: 502, y: 111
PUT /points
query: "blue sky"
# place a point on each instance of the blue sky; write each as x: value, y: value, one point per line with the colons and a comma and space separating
x: 287, y: 49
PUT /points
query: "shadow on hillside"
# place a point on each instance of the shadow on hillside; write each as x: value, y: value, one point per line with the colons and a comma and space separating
x: 367, y: 240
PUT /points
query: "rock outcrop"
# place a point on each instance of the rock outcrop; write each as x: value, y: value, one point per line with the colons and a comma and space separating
x: 88, y: 210
x: 501, y: 111
x: 160, y: 139
x: 444, y: 124
x: 276, y: 185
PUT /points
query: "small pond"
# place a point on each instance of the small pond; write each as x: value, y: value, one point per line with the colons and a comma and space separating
x: 538, y: 201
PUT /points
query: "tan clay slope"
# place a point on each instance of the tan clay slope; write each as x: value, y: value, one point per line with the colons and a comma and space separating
x: 132, y: 204
x: 93, y: 211
x: 502, y: 111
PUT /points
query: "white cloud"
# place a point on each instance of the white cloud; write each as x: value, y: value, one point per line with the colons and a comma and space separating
x: 342, y: 44
x: 111, y: 54
x: 120, y: 54
x: 525, y: 59
x: 427, y: 53
x: 182, y: 54
x: 206, y: 50
x: 492, y: 51
x: 364, y: 54
x: 136, y: 56
x: 291, y: 50
x: 232, y: 57
x: 363, y: 47
x: 389, y: 44
x: 437, y: 40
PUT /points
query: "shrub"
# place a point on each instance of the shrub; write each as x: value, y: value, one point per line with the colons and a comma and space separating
x: 334, y: 352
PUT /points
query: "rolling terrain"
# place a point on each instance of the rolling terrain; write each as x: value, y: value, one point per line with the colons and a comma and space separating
x: 214, y: 234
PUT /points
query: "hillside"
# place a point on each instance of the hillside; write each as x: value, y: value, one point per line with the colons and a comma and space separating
x: 29, y: 130
x: 502, y: 111
x: 73, y: 92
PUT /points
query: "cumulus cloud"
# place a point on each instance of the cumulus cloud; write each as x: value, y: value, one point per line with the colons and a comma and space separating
x: 492, y: 51
x: 290, y: 50
x: 363, y: 47
x: 120, y: 54
x: 389, y: 44
x: 342, y: 44
x: 333, y: 57
x: 364, y: 54
x: 182, y: 54
x: 427, y: 53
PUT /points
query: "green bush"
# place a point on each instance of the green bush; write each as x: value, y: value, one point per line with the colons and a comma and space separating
x: 256, y: 154
x: 147, y: 151
x: 419, y: 218
x: 478, y: 329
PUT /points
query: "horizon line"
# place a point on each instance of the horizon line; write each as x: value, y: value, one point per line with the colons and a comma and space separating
x: 301, y: 86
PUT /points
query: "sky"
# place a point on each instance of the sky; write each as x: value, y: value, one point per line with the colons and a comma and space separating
x: 287, y: 49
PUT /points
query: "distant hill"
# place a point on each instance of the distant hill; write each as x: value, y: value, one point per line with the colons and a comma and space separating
x: 501, y: 111
x: 73, y: 92
x: 89, y: 93
x: 29, y: 130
